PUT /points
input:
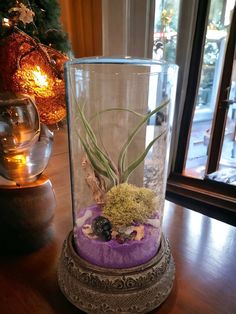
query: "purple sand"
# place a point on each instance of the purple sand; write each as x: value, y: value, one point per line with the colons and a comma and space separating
x: 112, y: 254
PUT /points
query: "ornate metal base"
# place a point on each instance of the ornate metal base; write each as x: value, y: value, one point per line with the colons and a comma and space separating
x: 99, y: 290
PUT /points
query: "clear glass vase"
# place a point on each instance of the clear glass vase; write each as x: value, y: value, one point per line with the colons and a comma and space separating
x: 119, y: 121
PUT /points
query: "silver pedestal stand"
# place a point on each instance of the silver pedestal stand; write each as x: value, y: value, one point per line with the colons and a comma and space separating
x: 93, y: 289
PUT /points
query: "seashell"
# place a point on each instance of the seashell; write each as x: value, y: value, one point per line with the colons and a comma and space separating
x: 140, y: 232
x: 81, y: 220
x: 88, y: 231
x: 154, y: 222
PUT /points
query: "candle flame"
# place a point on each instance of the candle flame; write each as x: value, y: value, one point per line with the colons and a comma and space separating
x: 40, y: 78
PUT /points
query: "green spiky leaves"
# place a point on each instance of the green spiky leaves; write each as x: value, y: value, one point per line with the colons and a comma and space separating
x: 103, y: 165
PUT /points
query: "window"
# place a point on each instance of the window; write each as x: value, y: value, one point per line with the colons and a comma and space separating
x: 206, y: 100
x: 204, y: 167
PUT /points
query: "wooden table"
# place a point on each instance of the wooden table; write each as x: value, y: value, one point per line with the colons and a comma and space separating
x: 204, y: 251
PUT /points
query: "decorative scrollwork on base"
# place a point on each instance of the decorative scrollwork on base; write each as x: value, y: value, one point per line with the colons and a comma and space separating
x: 100, y: 290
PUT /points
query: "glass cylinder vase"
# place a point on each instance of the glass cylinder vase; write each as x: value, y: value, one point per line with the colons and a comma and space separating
x: 119, y: 121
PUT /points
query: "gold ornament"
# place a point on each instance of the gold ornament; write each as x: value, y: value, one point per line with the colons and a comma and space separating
x: 23, y: 13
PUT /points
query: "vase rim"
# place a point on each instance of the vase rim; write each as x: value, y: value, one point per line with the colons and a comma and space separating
x: 118, y: 60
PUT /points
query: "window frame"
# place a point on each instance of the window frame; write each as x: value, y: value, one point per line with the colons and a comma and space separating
x: 215, y: 199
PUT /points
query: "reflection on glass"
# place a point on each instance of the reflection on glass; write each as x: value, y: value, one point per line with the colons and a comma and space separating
x: 165, y: 30
x: 213, y: 59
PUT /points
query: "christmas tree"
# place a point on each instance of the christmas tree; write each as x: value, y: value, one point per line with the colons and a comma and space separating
x: 45, y: 26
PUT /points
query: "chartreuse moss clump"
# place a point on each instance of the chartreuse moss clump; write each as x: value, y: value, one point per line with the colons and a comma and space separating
x: 126, y: 204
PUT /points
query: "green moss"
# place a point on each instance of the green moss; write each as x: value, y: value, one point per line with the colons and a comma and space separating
x: 126, y: 204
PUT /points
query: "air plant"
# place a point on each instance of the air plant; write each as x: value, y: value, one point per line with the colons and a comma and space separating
x: 99, y: 159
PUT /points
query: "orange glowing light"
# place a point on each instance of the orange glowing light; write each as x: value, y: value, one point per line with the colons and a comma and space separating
x: 40, y: 78
x: 19, y: 159
x: 28, y: 67
x: 35, y: 81
x: 16, y: 161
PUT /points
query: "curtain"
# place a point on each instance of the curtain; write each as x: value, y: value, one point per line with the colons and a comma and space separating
x: 128, y: 27
x: 82, y: 20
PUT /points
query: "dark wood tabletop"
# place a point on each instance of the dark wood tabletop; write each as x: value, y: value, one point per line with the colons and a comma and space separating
x: 204, y: 251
